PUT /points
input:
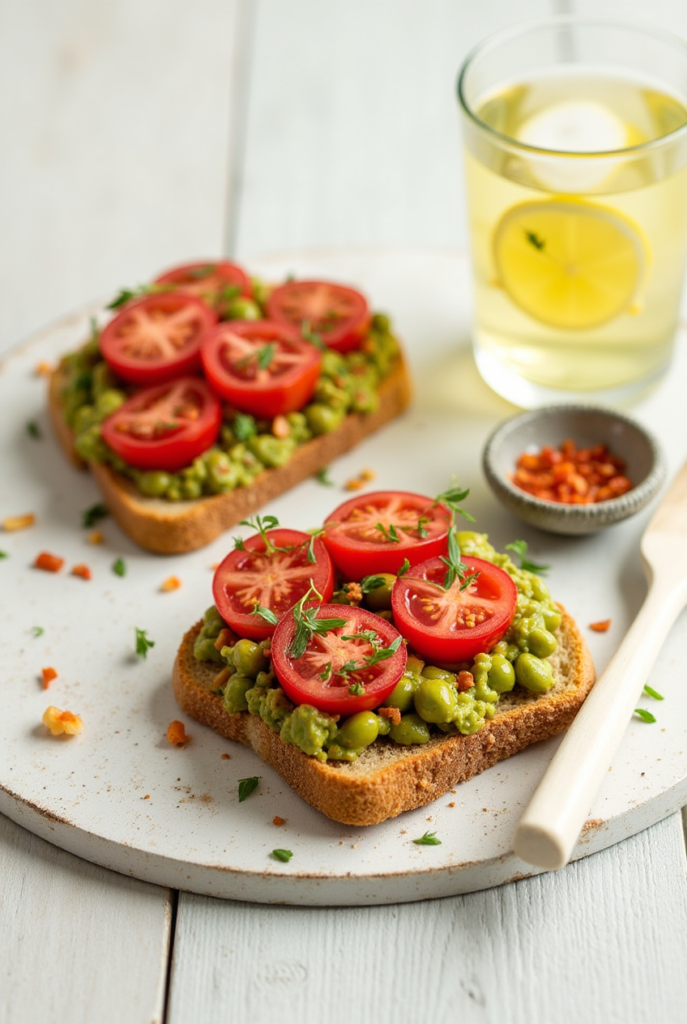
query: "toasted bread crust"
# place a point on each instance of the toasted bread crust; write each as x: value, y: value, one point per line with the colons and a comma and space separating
x: 175, y: 527
x: 387, y: 779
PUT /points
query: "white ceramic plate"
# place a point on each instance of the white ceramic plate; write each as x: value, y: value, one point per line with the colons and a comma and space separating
x: 121, y: 796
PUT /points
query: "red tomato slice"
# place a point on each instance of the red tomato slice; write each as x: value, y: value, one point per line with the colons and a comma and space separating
x: 376, y: 532
x: 338, y: 314
x: 275, y: 579
x: 217, y: 283
x: 451, y: 626
x: 165, y: 427
x: 156, y: 338
x: 315, y: 677
x: 260, y: 367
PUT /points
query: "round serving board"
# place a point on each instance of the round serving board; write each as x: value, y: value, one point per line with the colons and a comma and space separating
x: 119, y: 795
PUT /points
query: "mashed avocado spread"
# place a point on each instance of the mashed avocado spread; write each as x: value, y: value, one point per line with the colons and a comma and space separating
x: 246, y: 446
x: 427, y: 698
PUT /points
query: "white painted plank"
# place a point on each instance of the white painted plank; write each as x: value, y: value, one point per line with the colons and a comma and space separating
x: 116, y: 119
x: 597, y: 942
x: 353, y: 131
x: 77, y: 943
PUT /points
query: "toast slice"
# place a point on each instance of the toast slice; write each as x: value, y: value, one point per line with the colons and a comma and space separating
x: 388, y: 779
x: 167, y: 527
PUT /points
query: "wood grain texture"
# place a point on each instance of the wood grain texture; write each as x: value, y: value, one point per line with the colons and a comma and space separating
x: 596, y: 942
x: 353, y: 130
x: 117, y: 123
x: 77, y: 943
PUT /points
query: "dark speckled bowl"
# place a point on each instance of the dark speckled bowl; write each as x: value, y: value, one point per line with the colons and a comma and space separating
x: 587, y: 426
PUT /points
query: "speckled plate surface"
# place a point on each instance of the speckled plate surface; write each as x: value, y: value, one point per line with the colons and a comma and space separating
x: 119, y: 795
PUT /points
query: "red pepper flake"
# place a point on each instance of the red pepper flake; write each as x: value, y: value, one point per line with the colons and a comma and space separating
x: 393, y: 714
x: 572, y: 475
x: 226, y: 757
x: 276, y: 820
x: 176, y: 733
x: 48, y: 675
x: 48, y: 562
x: 82, y: 570
x: 600, y: 627
x: 171, y: 583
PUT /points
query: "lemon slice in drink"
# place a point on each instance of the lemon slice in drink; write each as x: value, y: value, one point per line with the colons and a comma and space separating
x: 569, y: 263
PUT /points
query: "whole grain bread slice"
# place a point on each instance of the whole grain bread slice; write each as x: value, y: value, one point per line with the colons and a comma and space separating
x: 167, y: 527
x: 388, y: 779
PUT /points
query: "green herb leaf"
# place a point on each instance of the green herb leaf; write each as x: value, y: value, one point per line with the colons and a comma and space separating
x: 284, y: 855
x: 452, y: 498
x: 228, y: 293
x: 326, y: 671
x: 645, y: 716
x: 126, y: 294
x: 91, y: 516
x: 38, y: 631
x: 262, y: 355
x: 238, y: 544
x: 311, y: 545
x: 322, y: 477
x: 307, y: 623
x: 200, y: 272
x: 428, y: 839
x: 520, y: 549
x: 468, y: 580
x: 649, y: 690
x: 265, y: 613
x: 404, y: 568
x: 33, y: 430
x: 262, y: 524
x: 248, y: 786
x: 312, y: 336
x: 391, y: 534
x: 356, y: 689
x: 4, y: 554
x: 534, y: 240
x: 369, y: 583
x: 244, y: 426
x: 143, y: 643
x: 119, y: 567
x: 454, y: 565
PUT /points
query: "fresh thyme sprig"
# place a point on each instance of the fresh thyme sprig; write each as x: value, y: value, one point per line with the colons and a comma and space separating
x: 455, y: 567
x: 452, y: 498
x: 519, y: 547
x: 307, y: 623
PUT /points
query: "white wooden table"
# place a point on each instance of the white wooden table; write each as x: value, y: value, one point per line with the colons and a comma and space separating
x: 137, y: 135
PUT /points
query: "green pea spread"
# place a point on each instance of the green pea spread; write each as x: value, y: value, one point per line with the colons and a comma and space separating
x: 426, y: 696
x: 347, y: 383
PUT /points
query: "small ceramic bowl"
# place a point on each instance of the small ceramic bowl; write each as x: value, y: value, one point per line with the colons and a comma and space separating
x: 586, y: 426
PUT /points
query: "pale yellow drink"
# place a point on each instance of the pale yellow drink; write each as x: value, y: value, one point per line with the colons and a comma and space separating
x: 578, y: 229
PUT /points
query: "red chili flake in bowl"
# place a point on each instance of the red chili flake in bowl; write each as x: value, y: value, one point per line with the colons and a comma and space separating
x: 572, y: 475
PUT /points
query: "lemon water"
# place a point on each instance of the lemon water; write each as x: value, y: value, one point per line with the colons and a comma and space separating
x: 578, y: 259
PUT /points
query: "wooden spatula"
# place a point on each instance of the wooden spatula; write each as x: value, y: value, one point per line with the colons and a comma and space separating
x: 549, y: 828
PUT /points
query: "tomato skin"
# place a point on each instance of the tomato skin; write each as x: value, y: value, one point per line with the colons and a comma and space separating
x: 351, y: 534
x: 299, y: 677
x: 138, y: 352
x: 267, y: 571
x: 284, y: 386
x: 434, y: 632
x: 192, y: 279
x: 340, y: 315
x: 125, y: 430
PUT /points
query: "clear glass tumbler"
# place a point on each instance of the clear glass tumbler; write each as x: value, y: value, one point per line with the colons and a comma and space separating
x: 575, y: 146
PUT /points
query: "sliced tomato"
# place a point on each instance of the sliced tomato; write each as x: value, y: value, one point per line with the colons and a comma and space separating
x: 165, y: 427
x: 377, y: 532
x: 335, y: 666
x: 448, y: 627
x: 260, y: 367
x: 338, y: 314
x: 274, y: 575
x: 216, y: 282
x: 156, y: 338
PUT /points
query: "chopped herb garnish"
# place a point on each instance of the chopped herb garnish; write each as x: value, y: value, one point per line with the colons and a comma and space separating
x: 38, y: 631
x: 322, y: 477
x: 143, y: 643
x: 228, y: 293
x: 454, y: 565
x: 244, y: 426
x: 379, y: 654
x: 428, y: 839
x: 326, y: 671
x: 248, y: 786
x: 390, y: 534
x: 311, y: 545
x: 369, y: 583
x: 262, y: 524
x: 312, y: 336
x: 535, y: 240
x: 265, y: 613
x: 520, y: 549
x: 126, y: 294
x: 452, y: 498
x: 200, y: 272
x: 238, y: 544
x: 263, y: 356
x: 421, y: 528
x: 649, y: 690
x: 356, y: 689
x: 404, y: 568
x: 119, y: 567
x: 284, y: 855
x: 4, y: 554
x: 307, y: 623
x: 645, y: 716
x: 91, y: 516
x: 33, y: 430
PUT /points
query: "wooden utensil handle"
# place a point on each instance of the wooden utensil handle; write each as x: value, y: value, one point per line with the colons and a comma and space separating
x: 549, y: 828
